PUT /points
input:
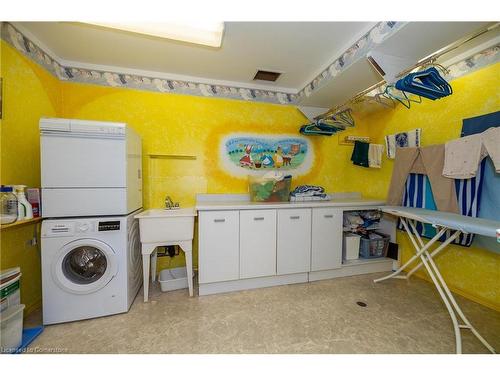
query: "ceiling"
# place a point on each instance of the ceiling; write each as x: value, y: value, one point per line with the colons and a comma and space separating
x: 299, y: 50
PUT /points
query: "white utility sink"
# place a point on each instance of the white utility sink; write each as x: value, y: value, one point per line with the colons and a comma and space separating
x: 162, y: 225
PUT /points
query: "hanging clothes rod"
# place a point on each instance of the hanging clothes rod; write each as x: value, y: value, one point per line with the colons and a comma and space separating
x: 425, y: 61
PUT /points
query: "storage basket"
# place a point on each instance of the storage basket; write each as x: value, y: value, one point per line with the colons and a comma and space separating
x: 9, y: 288
x: 173, y: 279
x: 11, y: 331
x: 374, y: 248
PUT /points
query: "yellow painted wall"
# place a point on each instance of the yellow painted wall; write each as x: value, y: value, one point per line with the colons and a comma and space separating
x: 188, y: 125
x: 472, y: 272
x: 29, y: 93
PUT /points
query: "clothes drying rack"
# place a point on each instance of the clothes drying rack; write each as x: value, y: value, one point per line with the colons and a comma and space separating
x: 443, y: 222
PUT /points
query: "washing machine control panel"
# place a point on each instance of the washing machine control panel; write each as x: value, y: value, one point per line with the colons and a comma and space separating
x: 82, y: 227
x: 58, y: 229
x: 71, y: 228
x: 105, y: 226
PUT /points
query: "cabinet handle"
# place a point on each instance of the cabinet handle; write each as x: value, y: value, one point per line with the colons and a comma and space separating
x: 258, y: 218
x: 328, y: 216
x: 294, y: 217
x: 219, y: 220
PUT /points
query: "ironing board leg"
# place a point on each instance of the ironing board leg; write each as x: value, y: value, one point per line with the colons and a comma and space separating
x: 448, y: 293
x: 456, y: 328
x: 434, y: 252
x: 413, y: 258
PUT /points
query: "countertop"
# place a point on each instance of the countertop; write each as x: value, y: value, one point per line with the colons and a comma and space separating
x: 213, y: 202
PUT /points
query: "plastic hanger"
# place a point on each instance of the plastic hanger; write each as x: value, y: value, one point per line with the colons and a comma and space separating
x: 346, y: 117
x: 427, y: 83
x: 314, y: 129
x: 381, y: 99
x: 402, y: 99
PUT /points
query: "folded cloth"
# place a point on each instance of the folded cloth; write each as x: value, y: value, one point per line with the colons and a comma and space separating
x: 410, y: 138
x: 307, y: 190
x: 375, y: 155
x: 360, y: 154
x: 463, y: 156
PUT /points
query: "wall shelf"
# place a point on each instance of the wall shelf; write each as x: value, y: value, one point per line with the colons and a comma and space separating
x: 21, y: 223
x: 172, y: 156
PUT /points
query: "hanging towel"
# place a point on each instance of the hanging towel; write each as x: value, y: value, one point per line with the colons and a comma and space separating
x: 418, y: 193
x: 375, y: 155
x: 410, y: 138
x: 463, y: 156
x: 429, y: 161
x: 489, y: 204
x: 360, y: 154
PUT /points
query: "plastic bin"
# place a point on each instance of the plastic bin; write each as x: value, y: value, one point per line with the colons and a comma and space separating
x: 9, y: 288
x: 350, y: 248
x: 173, y: 279
x: 269, y: 190
x: 11, y: 328
x: 374, y: 248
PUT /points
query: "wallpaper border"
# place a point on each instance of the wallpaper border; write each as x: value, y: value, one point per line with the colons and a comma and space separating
x: 380, y: 32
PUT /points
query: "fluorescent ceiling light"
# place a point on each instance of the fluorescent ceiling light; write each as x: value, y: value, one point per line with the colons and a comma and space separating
x: 199, y: 32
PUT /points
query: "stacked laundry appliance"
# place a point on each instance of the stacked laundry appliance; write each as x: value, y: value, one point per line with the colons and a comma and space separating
x: 91, y: 175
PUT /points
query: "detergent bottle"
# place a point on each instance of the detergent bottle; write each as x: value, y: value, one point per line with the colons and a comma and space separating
x: 24, y: 209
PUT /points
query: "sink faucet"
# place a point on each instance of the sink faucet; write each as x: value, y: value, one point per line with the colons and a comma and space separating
x: 169, y: 204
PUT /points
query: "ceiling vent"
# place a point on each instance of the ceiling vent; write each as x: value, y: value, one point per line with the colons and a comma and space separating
x: 265, y: 75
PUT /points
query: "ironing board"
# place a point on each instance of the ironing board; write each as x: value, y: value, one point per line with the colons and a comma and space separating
x: 442, y: 221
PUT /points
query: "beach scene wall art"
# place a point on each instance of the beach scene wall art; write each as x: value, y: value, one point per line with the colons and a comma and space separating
x: 255, y: 154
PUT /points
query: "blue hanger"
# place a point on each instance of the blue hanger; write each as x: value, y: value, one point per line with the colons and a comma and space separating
x: 314, y: 129
x: 427, y: 83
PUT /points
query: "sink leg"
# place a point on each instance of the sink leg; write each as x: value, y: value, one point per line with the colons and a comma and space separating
x: 154, y: 259
x: 145, y: 274
x: 187, y: 247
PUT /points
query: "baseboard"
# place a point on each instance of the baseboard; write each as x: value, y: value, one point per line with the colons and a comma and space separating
x: 464, y: 294
x: 255, y: 283
x: 353, y: 268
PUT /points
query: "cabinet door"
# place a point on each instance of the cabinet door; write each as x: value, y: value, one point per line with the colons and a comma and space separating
x: 294, y: 241
x: 218, y: 246
x: 257, y: 243
x: 326, y: 245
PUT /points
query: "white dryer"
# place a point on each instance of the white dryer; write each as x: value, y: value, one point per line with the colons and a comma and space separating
x: 89, y: 168
x: 91, y: 267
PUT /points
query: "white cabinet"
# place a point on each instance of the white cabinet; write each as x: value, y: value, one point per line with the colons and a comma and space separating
x: 257, y: 243
x: 294, y: 241
x: 326, y: 246
x: 218, y: 246
x: 249, y: 247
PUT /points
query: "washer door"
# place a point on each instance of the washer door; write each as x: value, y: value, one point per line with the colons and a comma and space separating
x: 84, y: 266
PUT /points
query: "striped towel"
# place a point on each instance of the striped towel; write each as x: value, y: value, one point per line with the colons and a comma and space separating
x: 418, y: 193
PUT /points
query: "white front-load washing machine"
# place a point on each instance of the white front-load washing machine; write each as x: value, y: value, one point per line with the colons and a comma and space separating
x: 91, y: 267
